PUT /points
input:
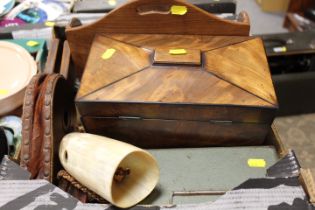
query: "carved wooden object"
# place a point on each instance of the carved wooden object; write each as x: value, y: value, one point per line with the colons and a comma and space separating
x: 48, y: 114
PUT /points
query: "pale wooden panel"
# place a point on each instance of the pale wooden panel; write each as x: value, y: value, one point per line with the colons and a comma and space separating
x: 100, y: 72
x: 245, y: 65
x: 175, y: 85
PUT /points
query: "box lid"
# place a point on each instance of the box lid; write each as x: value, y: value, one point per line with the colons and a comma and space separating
x: 180, y: 69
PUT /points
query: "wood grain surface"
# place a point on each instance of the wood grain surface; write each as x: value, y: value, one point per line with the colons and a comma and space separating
x: 65, y: 60
x: 67, y: 69
x: 54, y: 57
x: 226, y: 100
x: 245, y: 65
x: 126, y: 60
x: 167, y: 41
x: 190, y: 112
x: 165, y: 84
x: 126, y: 19
x: 242, y: 76
x: 164, y: 56
x: 155, y: 133
x: 219, y: 93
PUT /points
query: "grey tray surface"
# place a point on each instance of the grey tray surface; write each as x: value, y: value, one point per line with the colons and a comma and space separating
x: 198, y: 170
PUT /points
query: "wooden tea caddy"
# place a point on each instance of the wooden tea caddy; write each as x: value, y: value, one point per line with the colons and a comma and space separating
x: 164, y: 73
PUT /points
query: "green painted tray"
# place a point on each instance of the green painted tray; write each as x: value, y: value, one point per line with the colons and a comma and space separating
x: 196, y: 175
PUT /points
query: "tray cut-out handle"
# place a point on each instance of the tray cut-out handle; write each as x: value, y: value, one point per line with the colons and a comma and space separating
x: 153, y: 9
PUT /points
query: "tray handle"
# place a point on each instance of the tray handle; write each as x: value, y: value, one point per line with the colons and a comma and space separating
x: 153, y: 17
x: 165, y: 17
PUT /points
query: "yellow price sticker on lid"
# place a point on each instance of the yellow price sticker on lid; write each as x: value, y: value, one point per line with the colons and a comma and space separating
x: 108, y: 53
x: 256, y: 163
x: 178, y: 10
x: 177, y: 52
x: 3, y: 92
x: 32, y: 43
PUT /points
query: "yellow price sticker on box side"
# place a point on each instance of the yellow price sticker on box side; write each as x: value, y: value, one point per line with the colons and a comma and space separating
x: 49, y: 23
x: 177, y: 52
x: 108, y: 53
x: 280, y: 49
x: 32, y: 43
x: 256, y: 163
x: 178, y: 10
x: 3, y: 92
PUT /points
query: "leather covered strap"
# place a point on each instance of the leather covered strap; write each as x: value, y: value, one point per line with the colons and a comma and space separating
x: 48, y: 114
x: 35, y: 155
x: 30, y: 99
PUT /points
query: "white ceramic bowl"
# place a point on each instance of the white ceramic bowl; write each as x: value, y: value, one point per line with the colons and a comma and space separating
x: 17, y: 67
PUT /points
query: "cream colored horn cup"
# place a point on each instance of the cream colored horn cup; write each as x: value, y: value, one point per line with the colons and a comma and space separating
x: 119, y: 172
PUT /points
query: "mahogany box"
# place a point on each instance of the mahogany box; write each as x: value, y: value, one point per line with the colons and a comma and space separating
x: 179, y: 79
